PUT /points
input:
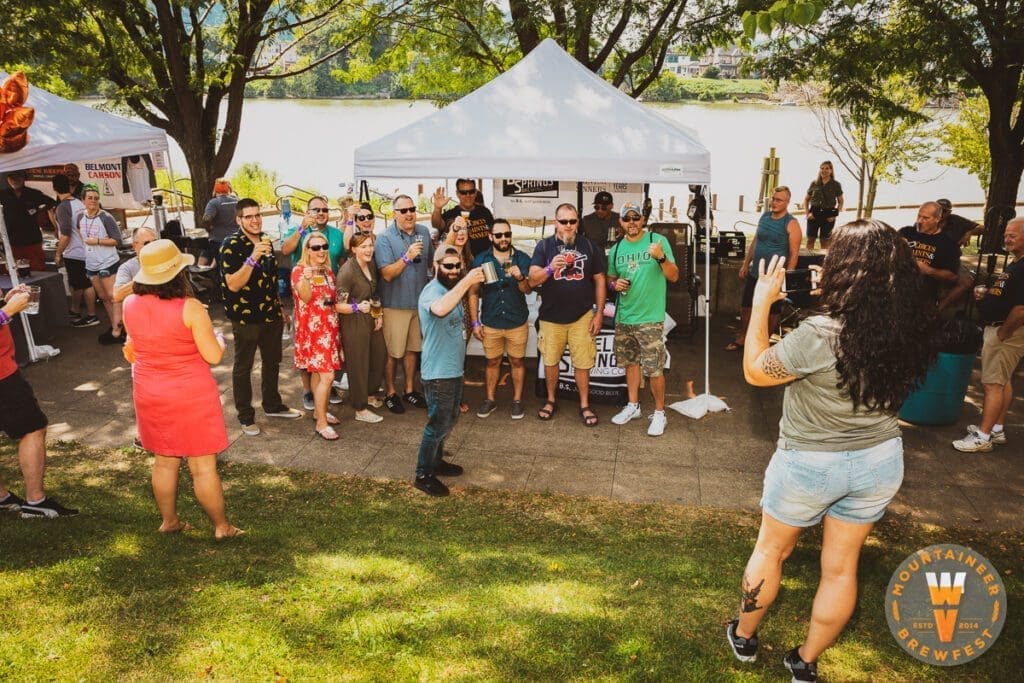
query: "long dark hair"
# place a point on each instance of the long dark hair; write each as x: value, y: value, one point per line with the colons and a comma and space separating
x: 177, y: 287
x: 871, y: 285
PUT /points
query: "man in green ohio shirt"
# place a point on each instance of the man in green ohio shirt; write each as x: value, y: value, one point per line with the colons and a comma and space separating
x: 640, y: 266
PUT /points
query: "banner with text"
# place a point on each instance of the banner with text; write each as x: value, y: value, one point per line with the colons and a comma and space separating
x: 537, y: 199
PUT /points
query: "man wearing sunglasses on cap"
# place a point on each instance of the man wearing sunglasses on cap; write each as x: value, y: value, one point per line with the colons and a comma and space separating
x: 480, y: 217
x: 403, y: 253
x: 444, y: 358
x: 315, y: 220
x: 571, y: 269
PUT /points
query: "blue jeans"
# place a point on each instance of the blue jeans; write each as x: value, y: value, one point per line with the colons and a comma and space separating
x: 444, y: 396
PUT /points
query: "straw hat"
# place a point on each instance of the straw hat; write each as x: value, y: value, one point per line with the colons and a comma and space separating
x: 161, y: 261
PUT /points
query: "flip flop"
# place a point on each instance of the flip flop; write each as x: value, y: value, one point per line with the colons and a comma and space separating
x: 182, y: 527
x: 331, y: 420
x: 234, y: 533
x: 546, y: 413
x: 733, y: 346
x: 328, y: 433
x: 588, y: 416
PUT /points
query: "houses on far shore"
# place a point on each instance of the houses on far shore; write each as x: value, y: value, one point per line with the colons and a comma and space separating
x: 724, y: 62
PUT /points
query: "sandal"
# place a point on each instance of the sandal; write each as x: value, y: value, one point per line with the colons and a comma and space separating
x: 331, y: 420
x: 733, y: 346
x: 328, y: 433
x: 546, y: 413
x: 588, y: 416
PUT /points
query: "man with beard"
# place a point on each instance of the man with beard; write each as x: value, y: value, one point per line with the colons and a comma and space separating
x: 479, y: 219
x: 641, y: 265
x: 571, y: 269
x: 602, y: 225
x: 501, y: 325
x: 937, y: 255
x: 444, y: 354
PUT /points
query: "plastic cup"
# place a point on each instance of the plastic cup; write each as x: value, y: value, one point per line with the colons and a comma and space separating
x: 34, y: 294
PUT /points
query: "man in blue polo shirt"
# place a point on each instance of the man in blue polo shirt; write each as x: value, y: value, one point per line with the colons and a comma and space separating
x: 403, y: 254
x: 501, y: 324
x: 444, y: 357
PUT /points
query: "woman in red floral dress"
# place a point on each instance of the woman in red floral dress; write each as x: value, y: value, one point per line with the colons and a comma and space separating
x: 316, y: 328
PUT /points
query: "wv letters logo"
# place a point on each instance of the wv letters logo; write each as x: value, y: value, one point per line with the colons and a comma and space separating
x: 945, y: 590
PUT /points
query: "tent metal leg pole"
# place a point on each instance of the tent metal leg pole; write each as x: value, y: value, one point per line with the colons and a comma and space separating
x: 707, y: 298
x: 35, y: 353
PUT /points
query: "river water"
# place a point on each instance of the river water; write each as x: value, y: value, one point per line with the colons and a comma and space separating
x: 310, y: 143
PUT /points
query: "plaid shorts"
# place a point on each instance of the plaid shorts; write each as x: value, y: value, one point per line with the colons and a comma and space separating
x: 642, y: 345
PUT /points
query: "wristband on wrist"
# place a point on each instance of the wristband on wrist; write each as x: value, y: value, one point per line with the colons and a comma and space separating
x: 350, y: 222
x: 475, y: 324
x: 406, y: 260
x: 219, y: 336
x: 251, y: 262
x: 4, y: 318
x: 550, y: 272
x: 355, y: 308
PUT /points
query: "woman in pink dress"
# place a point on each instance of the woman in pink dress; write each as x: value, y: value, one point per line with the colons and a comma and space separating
x: 316, y: 328
x: 171, y: 344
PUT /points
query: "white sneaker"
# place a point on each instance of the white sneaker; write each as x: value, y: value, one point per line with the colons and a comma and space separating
x: 998, y: 438
x: 973, y: 443
x: 658, y: 422
x: 286, y: 413
x: 631, y: 411
x: 251, y: 430
x: 369, y: 416
x: 341, y: 384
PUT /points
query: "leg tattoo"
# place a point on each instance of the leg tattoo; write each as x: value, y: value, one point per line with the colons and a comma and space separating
x: 749, y: 596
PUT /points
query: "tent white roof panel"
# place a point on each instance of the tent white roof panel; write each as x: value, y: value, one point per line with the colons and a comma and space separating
x: 548, y: 117
x: 67, y: 132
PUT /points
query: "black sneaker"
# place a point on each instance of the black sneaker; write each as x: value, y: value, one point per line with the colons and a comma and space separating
x: 745, y: 649
x: 801, y: 670
x: 416, y: 398
x: 517, y: 410
x: 108, y: 338
x: 48, y: 507
x: 447, y: 469
x: 431, y: 486
x: 486, y: 408
x: 86, y: 321
x: 11, y: 502
x: 394, y: 404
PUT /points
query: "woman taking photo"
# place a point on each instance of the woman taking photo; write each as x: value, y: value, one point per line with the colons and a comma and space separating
x: 839, y: 458
x: 171, y: 346
x: 360, y: 332
x: 823, y: 202
x: 316, y: 327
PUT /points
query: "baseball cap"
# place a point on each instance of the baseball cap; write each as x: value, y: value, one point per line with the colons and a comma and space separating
x: 630, y: 207
x: 446, y: 251
x: 945, y: 204
x: 603, y: 197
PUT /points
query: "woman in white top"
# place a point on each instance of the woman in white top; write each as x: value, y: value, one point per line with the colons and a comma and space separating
x: 101, y: 237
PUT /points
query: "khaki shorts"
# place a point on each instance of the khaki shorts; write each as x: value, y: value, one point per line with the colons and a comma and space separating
x: 497, y: 341
x: 999, y: 359
x: 553, y: 337
x: 642, y: 345
x: 402, y: 331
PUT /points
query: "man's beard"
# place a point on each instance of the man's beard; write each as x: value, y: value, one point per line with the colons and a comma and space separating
x: 498, y: 249
x: 449, y: 279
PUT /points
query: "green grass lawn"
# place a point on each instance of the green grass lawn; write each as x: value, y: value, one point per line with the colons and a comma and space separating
x: 349, y: 579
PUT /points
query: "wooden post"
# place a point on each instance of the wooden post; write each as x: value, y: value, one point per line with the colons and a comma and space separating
x: 740, y: 207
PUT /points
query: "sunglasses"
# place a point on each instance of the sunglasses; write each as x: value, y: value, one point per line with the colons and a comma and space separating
x: 632, y: 219
x: 602, y: 206
x: 501, y: 235
x: 466, y: 192
x: 317, y: 247
x: 320, y: 210
x: 410, y: 209
x: 364, y: 217
x: 567, y: 221
x: 451, y: 266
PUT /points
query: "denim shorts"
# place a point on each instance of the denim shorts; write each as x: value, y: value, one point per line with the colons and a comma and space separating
x: 102, y: 272
x: 800, y: 487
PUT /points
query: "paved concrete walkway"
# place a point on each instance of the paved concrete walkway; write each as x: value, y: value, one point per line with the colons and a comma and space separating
x: 717, y: 461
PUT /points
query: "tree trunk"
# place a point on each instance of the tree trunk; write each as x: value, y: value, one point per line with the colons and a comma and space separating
x: 199, y: 152
x: 860, y: 188
x: 869, y: 203
x: 1000, y: 206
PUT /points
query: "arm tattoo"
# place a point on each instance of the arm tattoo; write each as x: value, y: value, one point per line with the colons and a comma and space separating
x: 749, y: 596
x: 772, y: 367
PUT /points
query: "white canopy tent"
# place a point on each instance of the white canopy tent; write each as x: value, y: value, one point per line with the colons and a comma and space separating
x: 546, y: 118
x: 62, y: 132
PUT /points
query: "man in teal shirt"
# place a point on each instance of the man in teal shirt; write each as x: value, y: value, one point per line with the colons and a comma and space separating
x: 640, y: 266
x: 315, y: 220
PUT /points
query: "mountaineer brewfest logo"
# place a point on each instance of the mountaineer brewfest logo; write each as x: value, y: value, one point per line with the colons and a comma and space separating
x: 946, y: 605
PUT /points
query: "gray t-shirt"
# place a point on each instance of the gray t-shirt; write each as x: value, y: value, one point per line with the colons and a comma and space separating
x: 127, y: 271
x: 65, y: 212
x: 221, y: 211
x: 816, y: 415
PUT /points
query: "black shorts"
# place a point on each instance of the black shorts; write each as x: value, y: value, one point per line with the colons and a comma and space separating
x: 20, y: 414
x: 77, y: 279
x: 748, y: 296
x: 820, y: 225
